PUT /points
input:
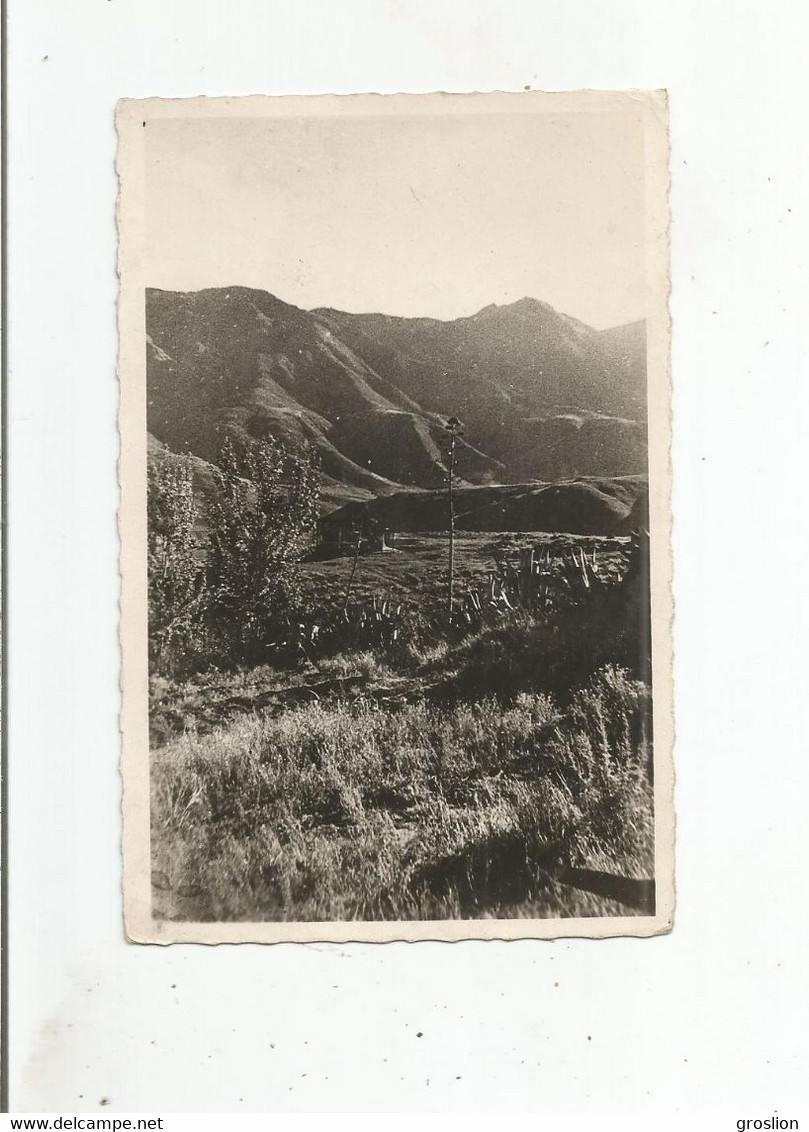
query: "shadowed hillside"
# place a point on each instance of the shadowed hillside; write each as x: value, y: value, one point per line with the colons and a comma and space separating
x: 586, y: 506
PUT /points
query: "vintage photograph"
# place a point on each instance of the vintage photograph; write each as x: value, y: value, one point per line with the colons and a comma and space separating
x: 395, y: 517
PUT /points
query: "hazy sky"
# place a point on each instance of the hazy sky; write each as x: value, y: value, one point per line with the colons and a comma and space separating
x: 409, y: 215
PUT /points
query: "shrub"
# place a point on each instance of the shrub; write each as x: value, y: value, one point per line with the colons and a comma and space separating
x: 261, y: 523
x: 176, y: 575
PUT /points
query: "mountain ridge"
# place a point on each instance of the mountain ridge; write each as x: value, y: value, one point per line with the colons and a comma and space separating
x: 542, y: 395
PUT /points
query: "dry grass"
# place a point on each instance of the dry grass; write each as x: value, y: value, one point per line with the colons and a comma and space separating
x: 345, y: 811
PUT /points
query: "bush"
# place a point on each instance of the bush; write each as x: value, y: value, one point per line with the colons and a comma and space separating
x: 223, y: 600
x: 176, y: 574
x: 557, y: 651
x: 261, y: 524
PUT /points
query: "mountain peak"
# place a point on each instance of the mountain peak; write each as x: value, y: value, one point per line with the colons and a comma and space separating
x: 525, y: 306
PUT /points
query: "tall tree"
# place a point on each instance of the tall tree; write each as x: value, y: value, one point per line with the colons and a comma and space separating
x: 363, y: 530
x: 453, y: 432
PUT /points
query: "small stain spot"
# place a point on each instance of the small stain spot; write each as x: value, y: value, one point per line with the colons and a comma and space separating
x: 420, y: 1035
x: 44, y: 58
x: 104, y: 1102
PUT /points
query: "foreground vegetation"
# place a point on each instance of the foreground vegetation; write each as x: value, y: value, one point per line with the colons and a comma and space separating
x: 334, y: 739
x: 345, y: 811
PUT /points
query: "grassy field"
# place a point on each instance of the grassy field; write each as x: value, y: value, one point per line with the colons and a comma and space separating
x: 416, y: 571
x: 341, y: 810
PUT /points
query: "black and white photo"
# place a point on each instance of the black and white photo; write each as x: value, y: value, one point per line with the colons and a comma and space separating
x: 394, y: 517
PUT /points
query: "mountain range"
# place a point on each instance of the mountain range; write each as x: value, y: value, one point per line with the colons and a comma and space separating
x: 542, y: 396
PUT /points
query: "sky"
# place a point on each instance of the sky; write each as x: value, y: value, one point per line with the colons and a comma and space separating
x: 430, y: 214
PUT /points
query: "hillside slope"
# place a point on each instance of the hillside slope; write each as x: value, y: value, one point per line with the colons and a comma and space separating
x: 598, y: 506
